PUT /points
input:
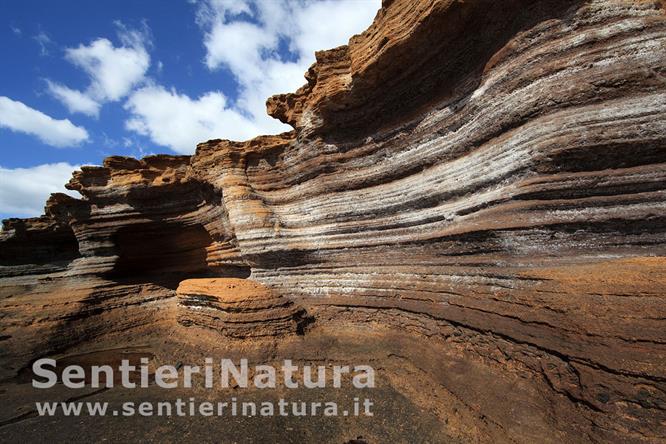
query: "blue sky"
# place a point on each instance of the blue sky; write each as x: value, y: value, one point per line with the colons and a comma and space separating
x: 83, y: 80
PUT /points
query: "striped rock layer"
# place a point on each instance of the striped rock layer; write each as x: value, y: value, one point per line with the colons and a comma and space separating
x: 488, y: 176
x: 239, y: 308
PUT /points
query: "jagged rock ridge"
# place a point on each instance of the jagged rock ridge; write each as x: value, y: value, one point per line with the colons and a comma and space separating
x: 486, y: 175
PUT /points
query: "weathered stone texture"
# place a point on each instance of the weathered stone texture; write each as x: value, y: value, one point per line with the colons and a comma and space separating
x: 486, y: 175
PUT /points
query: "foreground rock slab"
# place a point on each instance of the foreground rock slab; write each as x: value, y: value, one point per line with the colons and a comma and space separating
x: 238, y: 308
x: 473, y: 198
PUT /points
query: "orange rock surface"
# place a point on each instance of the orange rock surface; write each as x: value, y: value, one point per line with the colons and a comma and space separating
x: 473, y: 199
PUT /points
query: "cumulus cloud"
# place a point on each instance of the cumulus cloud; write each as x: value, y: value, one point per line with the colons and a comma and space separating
x: 267, y: 46
x: 23, y: 191
x: 113, y: 71
x: 19, y: 117
x: 246, y: 37
x: 180, y: 122
x: 75, y: 100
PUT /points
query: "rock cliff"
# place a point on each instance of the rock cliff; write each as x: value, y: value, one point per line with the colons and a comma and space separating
x: 473, y: 197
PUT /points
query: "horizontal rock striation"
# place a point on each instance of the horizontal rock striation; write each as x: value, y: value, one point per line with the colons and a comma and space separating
x: 238, y: 308
x: 486, y: 178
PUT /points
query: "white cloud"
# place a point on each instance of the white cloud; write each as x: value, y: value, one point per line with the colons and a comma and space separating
x: 251, y: 50
x: 248, y: 38
x: 247, y: 41
x: 74, y: 100
x: 179, y: 122
x: 24, y: 191
x: 113, y: 71
x: 21, y: 118
x: 327, y: 24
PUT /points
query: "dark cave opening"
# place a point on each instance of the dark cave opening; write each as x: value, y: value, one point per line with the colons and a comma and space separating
x: 158, y: 248
x: 55, y: 244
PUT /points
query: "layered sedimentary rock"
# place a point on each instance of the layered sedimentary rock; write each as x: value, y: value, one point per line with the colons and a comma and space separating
x: 238, y: 308
x: 37, y: 241
x: 489, y: 176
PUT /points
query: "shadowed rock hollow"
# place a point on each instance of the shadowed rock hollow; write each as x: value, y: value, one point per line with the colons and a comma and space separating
x: 472, y: 201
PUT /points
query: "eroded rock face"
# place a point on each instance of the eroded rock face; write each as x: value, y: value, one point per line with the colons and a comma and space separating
x: 239, y: 308
x: 473, y: 191
x: 37, y: 241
